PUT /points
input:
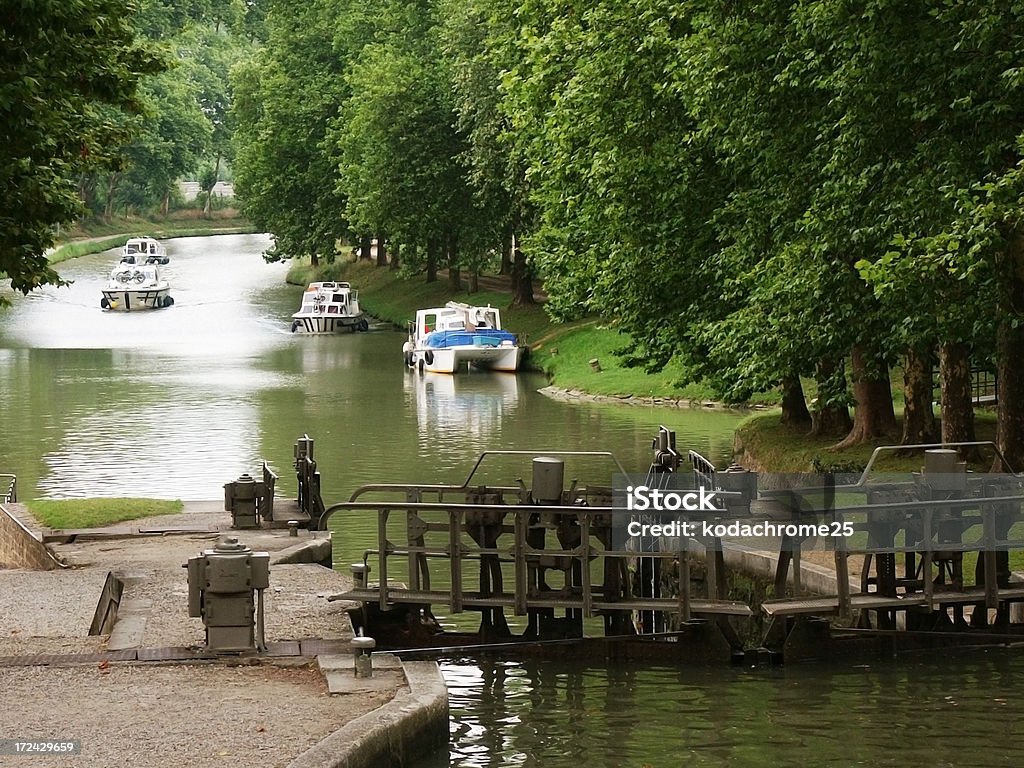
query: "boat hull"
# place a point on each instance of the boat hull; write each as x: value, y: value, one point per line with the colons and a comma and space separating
x: 453, y: 359
x: 328, y: 324
x: 136, y: 300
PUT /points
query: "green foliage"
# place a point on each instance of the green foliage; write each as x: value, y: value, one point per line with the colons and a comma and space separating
x: 69, y: 73
x: 749, y: 191
x: 285, y: 97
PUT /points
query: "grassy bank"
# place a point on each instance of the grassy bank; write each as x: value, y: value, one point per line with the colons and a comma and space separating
x: 778, y: 448
x: 96, y: 236
x: 65, y: 514
x: 561, y: 350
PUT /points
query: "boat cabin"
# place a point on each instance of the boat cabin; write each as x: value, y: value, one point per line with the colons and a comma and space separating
x: 456, y: 316
x: 143, y: 249
x: 329, y: 298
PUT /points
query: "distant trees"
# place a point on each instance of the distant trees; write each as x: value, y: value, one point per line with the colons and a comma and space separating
x: 286, y: 97
x: 184, y: 129
x: 69, y: 77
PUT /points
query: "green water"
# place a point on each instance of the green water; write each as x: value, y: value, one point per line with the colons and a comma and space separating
x: 934, y: 710
x: 177, y: 402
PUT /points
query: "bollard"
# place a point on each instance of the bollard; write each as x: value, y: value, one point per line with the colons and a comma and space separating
x: 241, y: 499
x: 293, y: 527
x: 363, y: 660
x: 360, y: 573
x: 221, y: 582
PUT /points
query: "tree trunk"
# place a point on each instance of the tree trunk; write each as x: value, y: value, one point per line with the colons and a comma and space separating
x: 433, y: 249
x: 108, y: 207
x: 873, y: 417
x: 474, y: 280
x: 87, y: 192
x: 396, y: 255
x: 522, y: 277
x: 794, y: 406
x: 955, y: 380
x: 831, y: 416
x: 314, y: 260
x: 919, y: 426
x: 382, y: 251
x: 454, y: 274
x: 506, y: 252
x: 209, y: 192
x: 365, y: 248
x: 1010, y: 357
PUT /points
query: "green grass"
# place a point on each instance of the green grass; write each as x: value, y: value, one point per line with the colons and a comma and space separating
x: 780, y: 449
x: 96, y: 513
x: 106, y: 236
x: 568, y: 361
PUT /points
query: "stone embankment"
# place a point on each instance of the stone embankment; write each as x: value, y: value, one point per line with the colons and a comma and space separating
x: 20, y: 547
x: 578, y: 395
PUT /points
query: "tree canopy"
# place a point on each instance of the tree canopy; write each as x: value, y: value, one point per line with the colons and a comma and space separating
x: 69, y: 77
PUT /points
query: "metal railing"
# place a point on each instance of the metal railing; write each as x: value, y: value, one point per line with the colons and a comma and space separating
x: 8, y: 488
x: 447, y: 544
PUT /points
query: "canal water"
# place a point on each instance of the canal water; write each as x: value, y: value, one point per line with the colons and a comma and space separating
x: 936, y: 710
x: 175, y: 403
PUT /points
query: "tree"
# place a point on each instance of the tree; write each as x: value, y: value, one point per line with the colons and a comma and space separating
x: 399, y: 151
x: 69, y: 74
x: 286, y: 97
x: 478, y: 39
x: 173, y: 136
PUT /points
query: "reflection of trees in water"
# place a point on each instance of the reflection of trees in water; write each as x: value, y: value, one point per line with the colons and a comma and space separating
x: 562, y: 713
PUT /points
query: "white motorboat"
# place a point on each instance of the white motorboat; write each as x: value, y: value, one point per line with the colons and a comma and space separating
x: 134, y: 287
x: 144, y: 250
x: 446, y: 339
x: 329, y: 307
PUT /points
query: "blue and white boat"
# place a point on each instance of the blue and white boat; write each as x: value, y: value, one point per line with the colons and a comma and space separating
x: 455, y: 336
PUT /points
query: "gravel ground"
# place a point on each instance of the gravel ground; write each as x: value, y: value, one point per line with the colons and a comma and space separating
x: 173, y: 716
x: 231, y: 712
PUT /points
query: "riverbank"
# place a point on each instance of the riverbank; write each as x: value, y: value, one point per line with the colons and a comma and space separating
x: 763, y: 444
x: 95, y: 237
x: 565, y: 352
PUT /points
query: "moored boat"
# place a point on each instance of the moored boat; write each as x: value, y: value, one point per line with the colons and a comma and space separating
x: 446, y: 339
x: 144, y: 250
x: 134, y: 287
x: 329, y: 307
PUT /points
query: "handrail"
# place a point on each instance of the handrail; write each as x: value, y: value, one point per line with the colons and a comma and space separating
x: 925, y: 446
x: 9, y: 496
x: 442, y: 487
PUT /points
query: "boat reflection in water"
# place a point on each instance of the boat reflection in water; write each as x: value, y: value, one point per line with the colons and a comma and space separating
x: 467, y: 407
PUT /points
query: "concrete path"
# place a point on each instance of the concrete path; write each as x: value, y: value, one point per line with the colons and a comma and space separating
x: 147, y: 692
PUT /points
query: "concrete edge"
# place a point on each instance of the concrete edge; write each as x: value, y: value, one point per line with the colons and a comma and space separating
x: 318, y: 551
x: 35, y: 554
x: 413, y: 724
x: 762, y: 563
